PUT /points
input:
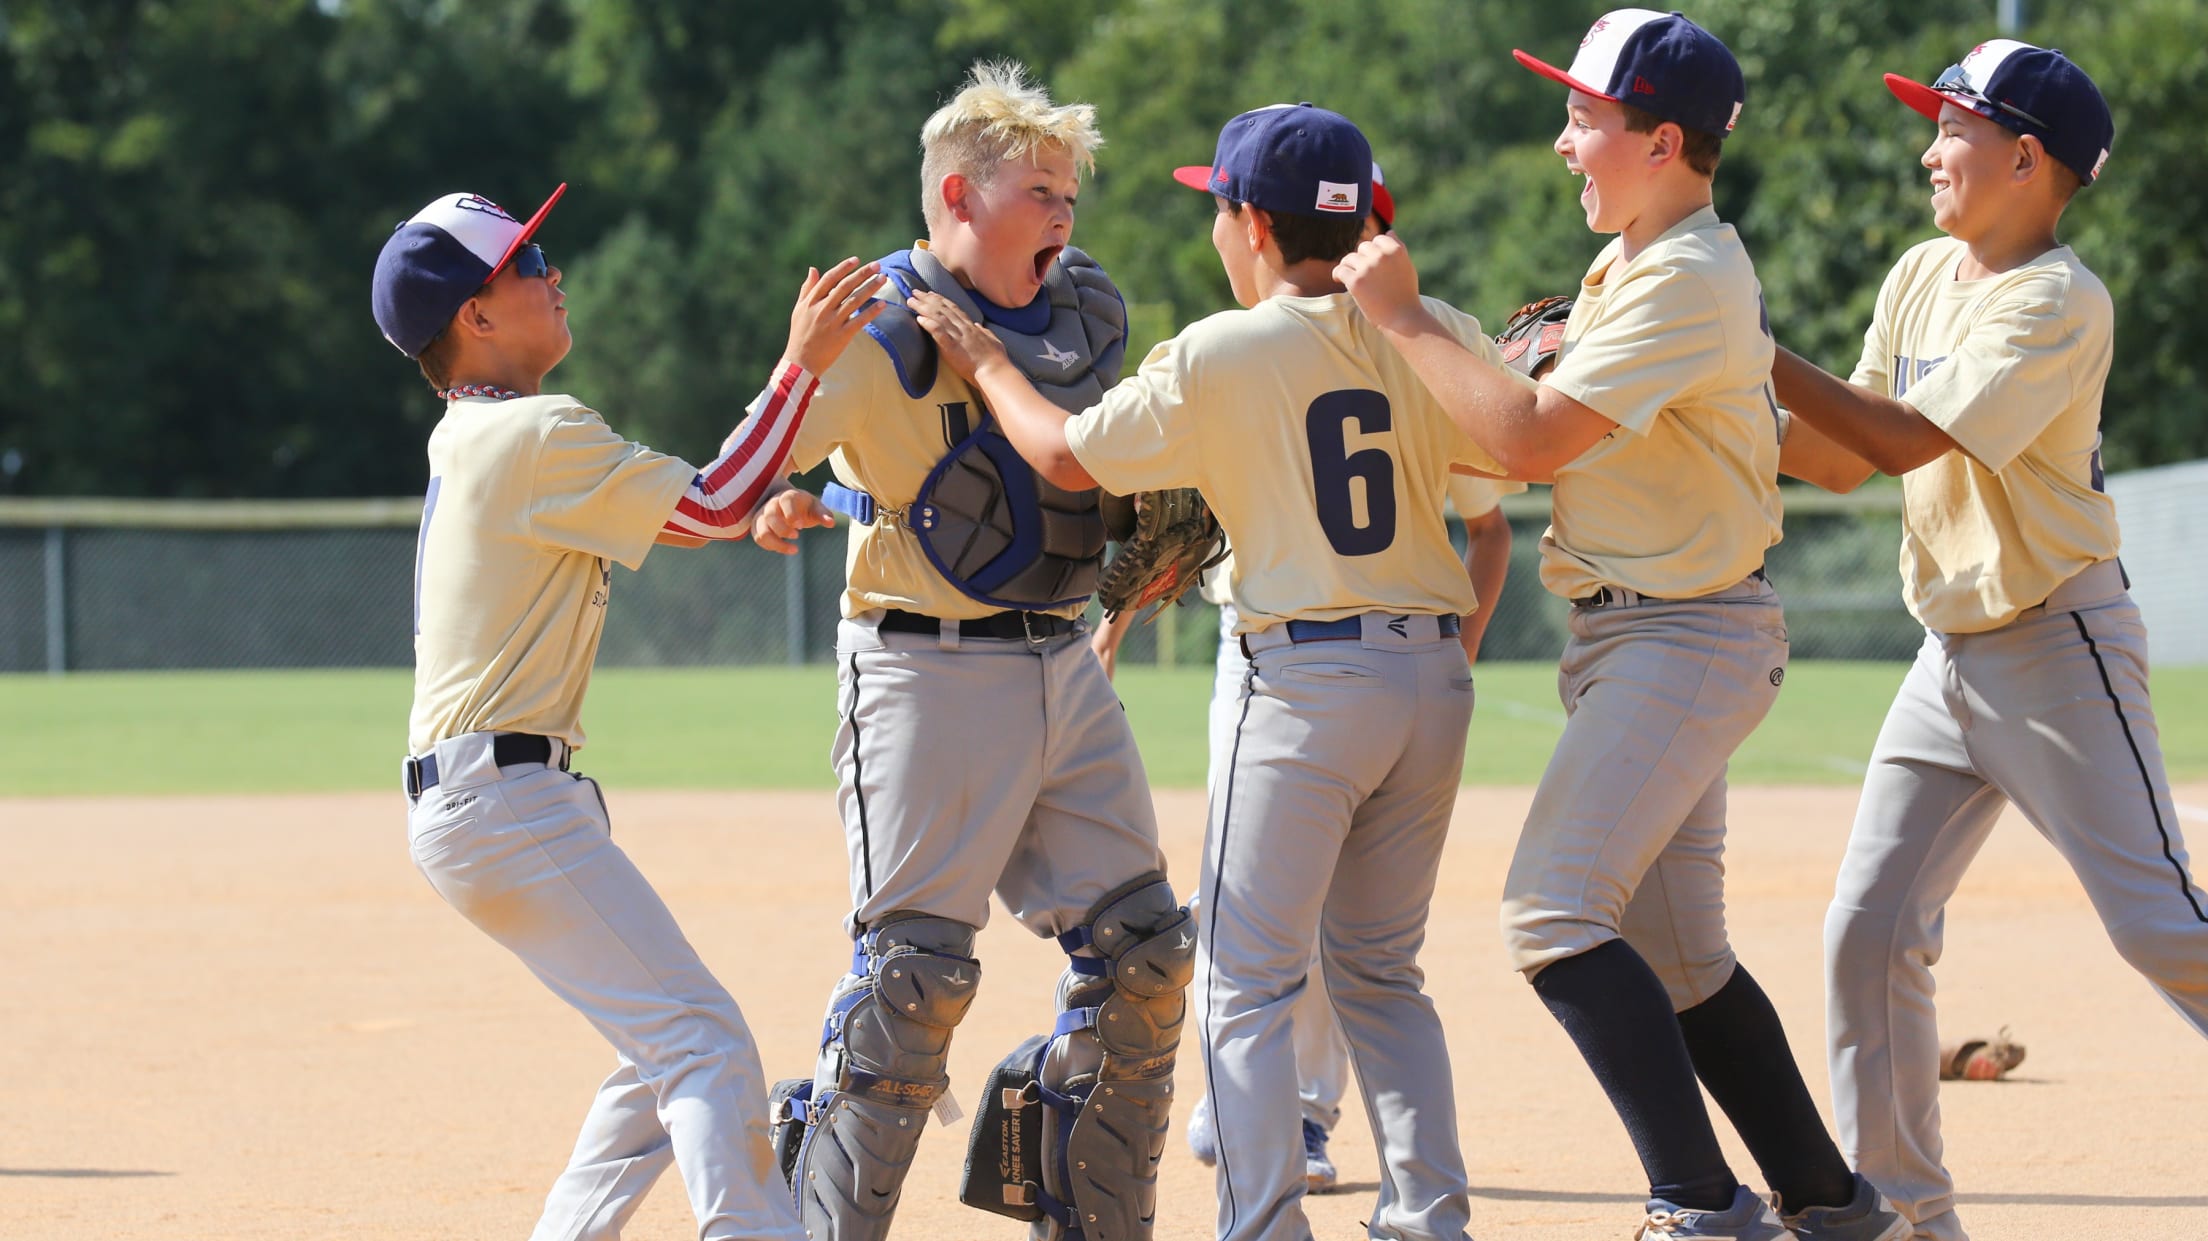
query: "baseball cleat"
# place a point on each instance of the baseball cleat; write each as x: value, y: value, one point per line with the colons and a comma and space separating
x: 1319, y: 1176
x: 1749, y: 1219
x: 1202, y: 1141
x: 1866, y: 1217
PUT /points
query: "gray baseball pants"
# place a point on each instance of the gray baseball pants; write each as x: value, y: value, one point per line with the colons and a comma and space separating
x: 527, y: 855
x: 1328, y: 819
x: 2051, y: 713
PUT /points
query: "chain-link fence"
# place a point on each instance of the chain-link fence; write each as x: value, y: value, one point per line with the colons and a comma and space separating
x: 100, y: 585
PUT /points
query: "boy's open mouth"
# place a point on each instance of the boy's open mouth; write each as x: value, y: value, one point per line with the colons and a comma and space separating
x: 1043, y: 259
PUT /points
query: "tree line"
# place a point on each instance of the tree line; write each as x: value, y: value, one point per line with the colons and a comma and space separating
x: 192, y: 192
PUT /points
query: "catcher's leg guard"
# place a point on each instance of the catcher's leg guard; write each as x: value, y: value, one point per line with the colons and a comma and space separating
x: 846, y: 1138
x: 1097, y: 1091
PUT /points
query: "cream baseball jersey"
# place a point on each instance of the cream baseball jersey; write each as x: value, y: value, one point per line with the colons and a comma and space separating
x: 530, y: 504
x: 2012, y: 368
x: 1473, y: 497
x: 1322, y: 453
x: 1682, y: 499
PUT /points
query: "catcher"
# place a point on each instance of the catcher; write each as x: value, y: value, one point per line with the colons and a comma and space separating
x: 1326, y: 462
x: 981, y: 747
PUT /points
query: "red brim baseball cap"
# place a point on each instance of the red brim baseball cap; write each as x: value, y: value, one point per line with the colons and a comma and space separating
x: 433, y: 263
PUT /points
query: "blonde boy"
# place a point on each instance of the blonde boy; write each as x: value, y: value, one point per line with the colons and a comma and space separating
x: 982, y: 748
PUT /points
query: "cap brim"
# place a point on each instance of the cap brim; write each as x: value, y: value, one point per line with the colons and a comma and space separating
x: 528, y: 230
x: 1554, y: 74
x: 1925, y: 101
x: 1194, y: 176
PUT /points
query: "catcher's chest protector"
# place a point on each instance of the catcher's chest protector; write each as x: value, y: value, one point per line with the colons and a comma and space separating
x: 990, y: 525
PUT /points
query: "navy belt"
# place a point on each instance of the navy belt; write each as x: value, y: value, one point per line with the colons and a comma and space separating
x: 1350, y: 628
x: 507, y: 750
x: 1014, y: 626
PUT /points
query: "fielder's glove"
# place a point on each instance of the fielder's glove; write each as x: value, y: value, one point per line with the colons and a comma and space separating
x: 1532, y: 336
x: 1175, y: 538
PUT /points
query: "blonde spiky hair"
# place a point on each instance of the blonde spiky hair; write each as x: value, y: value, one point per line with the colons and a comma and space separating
x: 998, y: 115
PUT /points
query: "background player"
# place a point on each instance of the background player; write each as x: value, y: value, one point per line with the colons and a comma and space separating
x: 1322, y: 1054
x: 1658, y: 430
x: 982, y: 747
x: 532, y: 498
x: 1980, y: 385
x: 1329, y: 815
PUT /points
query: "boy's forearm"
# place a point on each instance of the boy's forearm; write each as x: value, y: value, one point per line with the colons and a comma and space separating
x: 1487, y: 563
x: 1036, y: 427
x: 1889, y: 434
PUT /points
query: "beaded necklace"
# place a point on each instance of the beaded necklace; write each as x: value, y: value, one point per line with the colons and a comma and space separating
x: 491, y: 391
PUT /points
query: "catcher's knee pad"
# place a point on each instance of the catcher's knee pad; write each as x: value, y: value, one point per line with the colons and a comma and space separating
x: 845, y: 1139
x: 1074, y: 1122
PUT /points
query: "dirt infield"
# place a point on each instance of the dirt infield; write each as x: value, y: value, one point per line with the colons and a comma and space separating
x: 249, y: 1017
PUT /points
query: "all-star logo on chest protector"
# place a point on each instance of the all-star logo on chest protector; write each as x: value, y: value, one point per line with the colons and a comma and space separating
x: 992, y: 526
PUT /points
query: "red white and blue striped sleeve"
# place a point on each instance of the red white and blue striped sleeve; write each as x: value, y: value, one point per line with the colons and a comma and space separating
x: 721, y: 500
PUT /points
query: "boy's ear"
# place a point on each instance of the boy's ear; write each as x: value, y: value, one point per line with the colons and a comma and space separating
x: 471, y: 319
x: 957, y: 194
x: 1257, y: 225
x: 1665, y: 142
x: 2030, y: 157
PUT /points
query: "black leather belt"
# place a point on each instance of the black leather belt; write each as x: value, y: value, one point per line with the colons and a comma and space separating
x: 1004, y: 626
x: 507, y: 750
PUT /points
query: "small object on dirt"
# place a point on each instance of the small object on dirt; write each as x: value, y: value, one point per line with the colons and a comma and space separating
x: 1980, y: 1060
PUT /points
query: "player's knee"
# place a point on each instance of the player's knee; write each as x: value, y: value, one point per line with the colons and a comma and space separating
x: 1536, y: 935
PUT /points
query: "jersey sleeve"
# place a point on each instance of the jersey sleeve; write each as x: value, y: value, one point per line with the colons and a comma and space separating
x: 1477, y: 497
x: 840, y: 402
x: 1143, y: 435
x: 1656, y: 338
x: 597, y: 493
x: 2007, y: 380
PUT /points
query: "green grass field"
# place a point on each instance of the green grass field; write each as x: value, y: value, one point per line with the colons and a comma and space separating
x: 735, y: 728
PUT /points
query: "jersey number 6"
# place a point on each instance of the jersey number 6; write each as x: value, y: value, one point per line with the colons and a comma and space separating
x: 1336, y: 471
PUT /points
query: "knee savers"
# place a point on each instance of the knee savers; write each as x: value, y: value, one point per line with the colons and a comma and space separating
x: 1072, y: 1123
x: 846, y: 1137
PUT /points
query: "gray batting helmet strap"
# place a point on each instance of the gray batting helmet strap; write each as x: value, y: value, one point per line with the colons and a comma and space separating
x: 1104, y: 1076
x: 847, y: 1138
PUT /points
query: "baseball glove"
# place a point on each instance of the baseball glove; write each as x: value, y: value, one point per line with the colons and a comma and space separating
x: 1531, y: 337
x: 1175, y: 538
x: 1980, y: 1060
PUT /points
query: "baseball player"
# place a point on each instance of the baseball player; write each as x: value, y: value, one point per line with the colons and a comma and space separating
x: 1325, y: 460
x: 1980, y: 386
x: 1658, y: 430
x: 981, y: 747
x: 1322, y: 1054
x: 531, y: 501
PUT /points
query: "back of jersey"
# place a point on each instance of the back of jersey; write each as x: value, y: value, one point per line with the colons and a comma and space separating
x: 1323, y: 454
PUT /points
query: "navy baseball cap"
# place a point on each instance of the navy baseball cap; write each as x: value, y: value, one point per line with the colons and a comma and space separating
x: 2031, y: 90
x: 436, y: 261
x: 1296, y: 158
x: 1661, y: 63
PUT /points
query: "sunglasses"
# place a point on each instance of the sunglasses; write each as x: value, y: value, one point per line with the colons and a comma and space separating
x: 1953, y: 81
x: 529, y: 262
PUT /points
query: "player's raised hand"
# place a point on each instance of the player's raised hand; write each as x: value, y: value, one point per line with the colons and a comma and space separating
x: 966, y: 345
x: 831, y: 308
x: 785, y: 513
x: 1380, y: 276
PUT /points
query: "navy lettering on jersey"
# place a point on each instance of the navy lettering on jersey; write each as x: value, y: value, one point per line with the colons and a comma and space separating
x: 1336, y: 471
x: 1907, y: 371
x: 421, y: 548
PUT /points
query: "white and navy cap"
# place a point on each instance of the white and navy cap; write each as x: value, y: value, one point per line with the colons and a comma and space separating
x: 2031, y: 90
x: 1661, y: 63
x: 1296, y: 158
x: 436, y: 261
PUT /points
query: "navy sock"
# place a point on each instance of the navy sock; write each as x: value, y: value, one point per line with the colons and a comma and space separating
x: 1740, y: 1052
x: 1617, y: 1012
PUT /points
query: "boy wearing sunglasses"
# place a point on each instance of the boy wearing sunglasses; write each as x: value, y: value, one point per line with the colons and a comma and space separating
x: 1980, y: 385
x: 532, y: 499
